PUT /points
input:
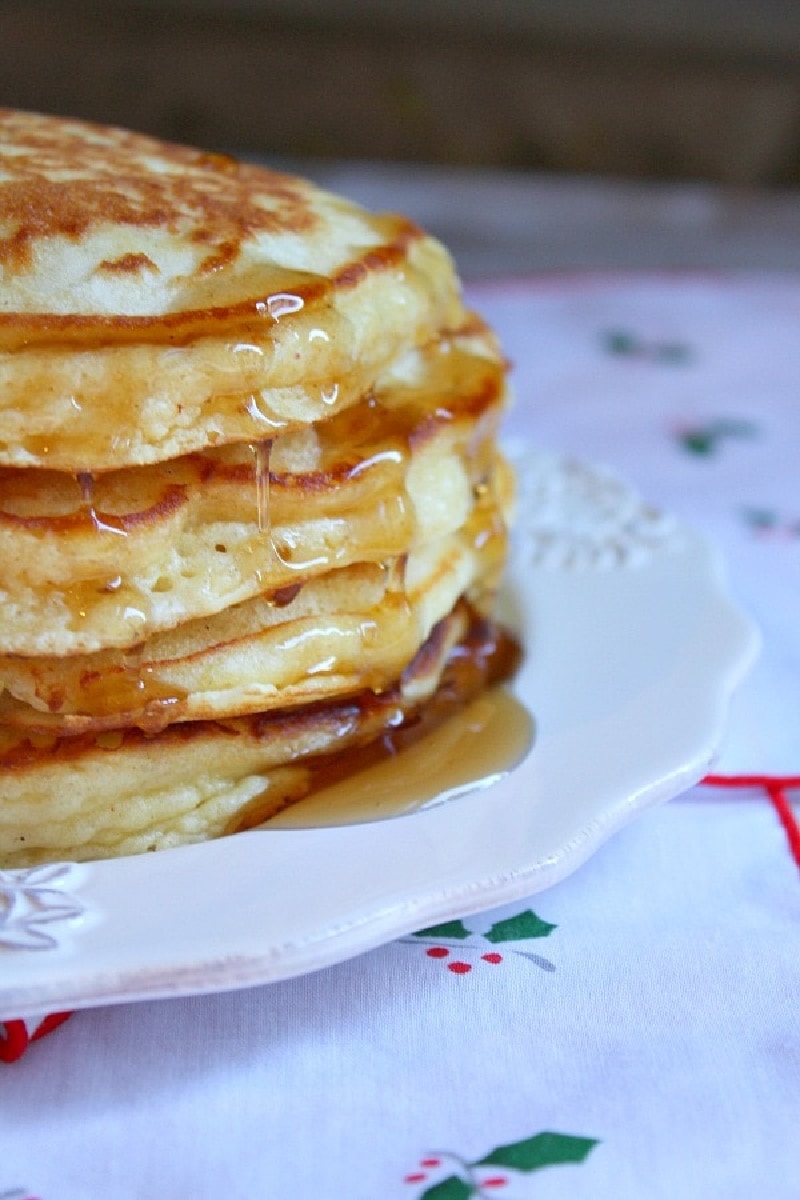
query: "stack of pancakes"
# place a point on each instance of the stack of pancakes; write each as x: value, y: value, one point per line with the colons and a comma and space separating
x: 252, y: 512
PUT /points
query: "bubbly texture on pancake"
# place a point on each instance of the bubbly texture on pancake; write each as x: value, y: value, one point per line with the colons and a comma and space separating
x: 145, y: 237
x: 252, y: 509
x: 339, y: 632
x: 156, y: 300
x: 98, y: 559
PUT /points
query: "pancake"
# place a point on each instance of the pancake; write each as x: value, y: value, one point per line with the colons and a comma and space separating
x: 253, y: 513
x: 107, y: 795
x: 107, y: 560
x: 197, y: 300
x: 334, y: 635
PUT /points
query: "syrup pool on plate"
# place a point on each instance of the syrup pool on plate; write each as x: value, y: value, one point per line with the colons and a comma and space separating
x: 474, y: 748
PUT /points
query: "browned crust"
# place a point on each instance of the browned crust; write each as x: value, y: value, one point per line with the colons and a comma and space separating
x: 173, y: 497
x: 25, y: 330
x: 204, y: 469
x: 128, y: 264
x: 288, y: 724
x: 64, y: 178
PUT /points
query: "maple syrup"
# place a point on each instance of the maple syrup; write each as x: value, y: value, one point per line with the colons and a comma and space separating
x: 130, y: 608
x: 469, y: 734
x: 261, y: 455
x: 460, y: 392
x: 130, y: 686
x: 101, y: 522
x: 473, y: 748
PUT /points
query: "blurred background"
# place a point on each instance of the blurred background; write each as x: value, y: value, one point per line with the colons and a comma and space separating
x: 626, y: 90
x: 664, y: 88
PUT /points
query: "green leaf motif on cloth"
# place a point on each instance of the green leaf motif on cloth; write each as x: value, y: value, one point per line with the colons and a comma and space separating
x: 542, y: 1150
x: 623, y: 344
x: 519, y: 928
x: 760, y: 519
x: 450, y: 929
x: 469, y: 1179
x: 451, y: 1188
x: 704, y: 440
x: 768, y: 521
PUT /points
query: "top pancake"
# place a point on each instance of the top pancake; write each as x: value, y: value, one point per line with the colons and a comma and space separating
x: 156, y: 300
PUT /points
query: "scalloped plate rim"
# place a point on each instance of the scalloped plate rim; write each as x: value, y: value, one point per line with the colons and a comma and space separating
x: 495, y: 857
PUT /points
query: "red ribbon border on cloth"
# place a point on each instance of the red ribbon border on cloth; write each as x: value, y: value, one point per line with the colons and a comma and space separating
x: 776, y: 788
x: 17, y: 1037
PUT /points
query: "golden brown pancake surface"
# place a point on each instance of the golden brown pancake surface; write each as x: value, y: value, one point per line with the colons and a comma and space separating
x: 252, y: 507
x: 105, y: 559
x: 105, y: 795
x: 156, y: 300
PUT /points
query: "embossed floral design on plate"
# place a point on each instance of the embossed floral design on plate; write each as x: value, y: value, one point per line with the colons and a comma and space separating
x: 579, y: 516
x: 32, y: 902
x: 628, y: 673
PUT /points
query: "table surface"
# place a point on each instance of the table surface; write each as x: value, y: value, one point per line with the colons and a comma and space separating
x: 511, y: 223
x: 632, y: 1030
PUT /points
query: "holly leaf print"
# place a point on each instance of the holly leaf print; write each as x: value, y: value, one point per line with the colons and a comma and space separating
x: 760, y: 519
x: 450, y: 929
x: 470, y: 1180
x: 625, y: 344
x: 451, y: 1188
x: 519, y: 928
x: 542, y: 1150
x: 705, y: 440
x: 768, y: 522
x: 698, y: 441
x: 618, y: 341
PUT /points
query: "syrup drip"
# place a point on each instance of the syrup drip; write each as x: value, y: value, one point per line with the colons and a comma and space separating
x: 287, y: 546
x: 256, y: 412
x: 102, y: 522
x: 394, y: 570
x: 86, y: 484
x: 381, y: 434
x: 261, y: 454
x: 81, y: 597
x: 130, y: 687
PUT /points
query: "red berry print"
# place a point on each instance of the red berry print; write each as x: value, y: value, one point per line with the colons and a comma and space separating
x: 431, y: 1162
x: 446, y: 940
x: 417, y: 1177
x: 496, y: 1181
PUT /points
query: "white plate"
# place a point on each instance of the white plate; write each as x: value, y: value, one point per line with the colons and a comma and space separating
x: 632, y: 651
